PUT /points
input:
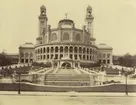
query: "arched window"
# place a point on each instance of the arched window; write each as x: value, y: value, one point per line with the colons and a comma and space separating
x: 66, y: 36
x: 75, y: 49
x: 80, y: 57
x: 71, y: 49
x: 104, y: 61
x: 31, y: 55
x: 87, y: 50
x: 56, y: 49
x: 75, y: 57
x: 61, y: 49
x: 56, y: 56
x: 44, y: 57
x: 41, y: 50
x: 90, y: 58
x: 66, y: 49
x: 38, y: 51
x: 78, y: 38
x: 83, y: 57
x: 26, y: 54
x: 84, y: 50
x: 80, y: 50
x: 47, y: 56
x: 51, y: 56
x: 54, y: 37
x: 108, y: 55
x: 44, y: 50
x: 71, y: 56
x: 61, y: 55
x: 87, y: 57
x: 104, y: 55
x: 47, y: 49
x: 90, y: 51
x: 52, y: 49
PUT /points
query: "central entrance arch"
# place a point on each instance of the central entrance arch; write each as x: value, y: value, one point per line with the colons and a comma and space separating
x: 66, y: 65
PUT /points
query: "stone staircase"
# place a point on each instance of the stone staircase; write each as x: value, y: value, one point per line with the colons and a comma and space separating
x: 67, y: 77
x: 66, y: 71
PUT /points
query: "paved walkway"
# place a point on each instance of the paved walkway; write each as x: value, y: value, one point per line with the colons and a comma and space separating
x: 72, y: 94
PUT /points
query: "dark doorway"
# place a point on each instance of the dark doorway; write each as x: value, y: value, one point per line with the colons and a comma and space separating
x: 66, y: 65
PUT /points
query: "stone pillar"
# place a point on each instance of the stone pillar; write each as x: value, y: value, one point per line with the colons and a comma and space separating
x: 49, y: 53
x: 77, y: 53
x: 85, y: 53
x: 63, y: 51
x: 59, y: 53
x: 28, y: 57
x: 78, y: 64
x: 68, y: 51
x: 73, y: 64
x: 19, y: 58
x: 94, y: 56
x: 73, y: 53
x: 59, y: 64
x: 82, y: 54
x: 111, y: 59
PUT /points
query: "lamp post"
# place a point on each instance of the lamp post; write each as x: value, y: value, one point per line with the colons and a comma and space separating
x: 126, y: 89
x: 19, y: 75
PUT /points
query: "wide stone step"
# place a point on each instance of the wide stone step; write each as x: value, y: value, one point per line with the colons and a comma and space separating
x: 67, y: 80
x: 68, y: 83
x: 57, y: 78
x: 82, y: 75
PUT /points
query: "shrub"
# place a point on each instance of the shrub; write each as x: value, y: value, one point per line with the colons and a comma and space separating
x: 24, y: 80
x: 48, y: 64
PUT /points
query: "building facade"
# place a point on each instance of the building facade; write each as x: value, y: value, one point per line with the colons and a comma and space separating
x: 26, y: 53
x: 66, y: 45
x: 104, y: 54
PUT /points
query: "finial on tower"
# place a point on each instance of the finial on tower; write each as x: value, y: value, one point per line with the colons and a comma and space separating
x: 89, y: 12
x: 66, y: 15
x: 43, y: 10
x: 89, y: 8
x: 43, y: 6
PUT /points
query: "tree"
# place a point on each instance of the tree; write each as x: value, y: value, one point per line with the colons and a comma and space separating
x: 126, y: 60
x: 4, y: 61
x: 48, y: 64
x: 121, y: 61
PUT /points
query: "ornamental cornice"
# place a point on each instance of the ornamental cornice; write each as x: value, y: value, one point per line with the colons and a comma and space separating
x: 65, y: 43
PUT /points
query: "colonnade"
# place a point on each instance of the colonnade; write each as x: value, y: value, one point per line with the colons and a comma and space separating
x: 85, y: 53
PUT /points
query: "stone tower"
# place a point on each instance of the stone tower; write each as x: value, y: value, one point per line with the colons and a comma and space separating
x: 89, y: 20
x: 42, y: 24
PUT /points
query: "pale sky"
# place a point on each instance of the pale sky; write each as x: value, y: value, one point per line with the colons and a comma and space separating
x: 114, y: 21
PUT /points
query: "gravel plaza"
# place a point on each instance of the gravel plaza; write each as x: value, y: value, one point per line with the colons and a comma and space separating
x: 71, y: 98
